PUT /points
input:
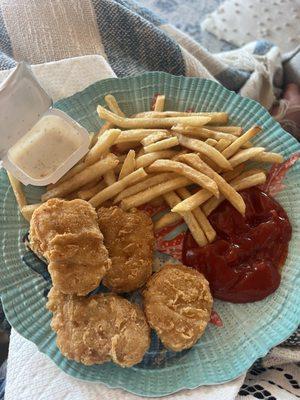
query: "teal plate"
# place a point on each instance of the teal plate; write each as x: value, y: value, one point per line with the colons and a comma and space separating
x: 250, y: 330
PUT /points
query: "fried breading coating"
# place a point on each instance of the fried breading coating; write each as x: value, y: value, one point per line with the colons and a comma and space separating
x: 100, y: 328
x: 129, y: 239
x: 178, y: 303
x: 67, y: 235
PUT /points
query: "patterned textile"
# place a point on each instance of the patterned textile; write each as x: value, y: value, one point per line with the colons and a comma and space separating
x: 133, y: 40
x: 188, y: 16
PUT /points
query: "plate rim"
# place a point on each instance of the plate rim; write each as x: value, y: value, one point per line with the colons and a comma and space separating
x: 157, y: 75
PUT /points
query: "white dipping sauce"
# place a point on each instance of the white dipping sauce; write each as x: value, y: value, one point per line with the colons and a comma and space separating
x: 45, y: 147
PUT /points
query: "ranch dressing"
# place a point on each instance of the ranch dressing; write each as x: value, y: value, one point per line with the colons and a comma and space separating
x: 38, y: 143
x: 45, y: 147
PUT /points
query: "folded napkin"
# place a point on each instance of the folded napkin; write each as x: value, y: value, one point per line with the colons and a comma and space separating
x: 128, y: 39
x: 47, y: 382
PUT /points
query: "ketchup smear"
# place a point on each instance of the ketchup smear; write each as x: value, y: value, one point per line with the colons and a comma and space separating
x: 243, y: 264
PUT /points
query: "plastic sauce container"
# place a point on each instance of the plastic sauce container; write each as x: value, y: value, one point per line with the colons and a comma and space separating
x: 38, y: 144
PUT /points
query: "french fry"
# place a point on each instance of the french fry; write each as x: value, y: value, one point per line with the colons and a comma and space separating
x: 256, y: 174
x: 206, y: 159
x: 240, y: 184
x: 117, y: 187
x: 72, y: 172
x: 191, y: 131
x: 28, y: 210
x: 18, y: 191
x: 151, y: 193
x: 182, y: 169
x: 164, y: 114
x: 203, y: 133
x: 269, y: 157
x: 247, y: 145
x: 209, y: 162
x: 136, y: 135
x: 215, y: 167
x: 111, y: 102
x: 118, y: 168
x: 237, y: 144
x: 141, y: 152
x: 92, y: 139
x: 178, y: 153
x: 147, y: 159
x: 154, y: 137
x: 215, y: 117
x: 104, y: 127
x: 202, y: 195
x: 113, y: 105
x: 71, y: 196
x: 157, y: 202
x: 87, y: 194
x: 230, y: 175
x: 109, y: 177
x: 169, y: 218
x: 245, y: 174
x: 245, y: 155
x: 125, y: 147
x: 203, y: 148
x: 211, y: 142
x: 121, y: 157
x: 192, y: 202
x: 129, y: 165
x: 204, y: 223
x: 227, y: 190
x: 104, y: 142
x: 162, y: 145
x: 234, y: 130
x: 133, y: 123
x: 87, y: 175
x: 160, y: 103
x: 222, y: 144
x: 172, y: 199
x: 219, y: 135
x: 150, y: 181
x: 90, y: 184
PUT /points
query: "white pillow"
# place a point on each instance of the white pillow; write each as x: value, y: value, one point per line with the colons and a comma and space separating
x: 242, y: 21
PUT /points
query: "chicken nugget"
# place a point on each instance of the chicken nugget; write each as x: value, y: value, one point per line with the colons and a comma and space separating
x: 100, y: 328
x: 67, y: 235
x: 178, y: 304
x: 129, y: 239
x: 58, y: 216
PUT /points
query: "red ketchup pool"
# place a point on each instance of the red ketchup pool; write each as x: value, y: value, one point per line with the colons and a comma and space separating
x: 243, y: 264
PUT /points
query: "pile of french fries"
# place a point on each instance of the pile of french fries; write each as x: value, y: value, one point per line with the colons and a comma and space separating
x: 190, y: 161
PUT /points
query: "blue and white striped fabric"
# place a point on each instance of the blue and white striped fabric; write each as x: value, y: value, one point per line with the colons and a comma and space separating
x: 133, y: 40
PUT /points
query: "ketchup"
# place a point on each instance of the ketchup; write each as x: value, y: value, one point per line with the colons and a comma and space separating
x: 243, y: 264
